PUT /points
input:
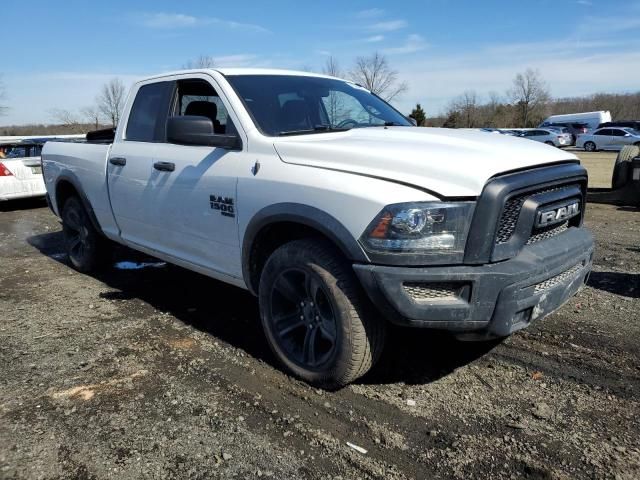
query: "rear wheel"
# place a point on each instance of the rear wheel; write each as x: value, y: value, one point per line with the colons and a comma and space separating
x: 590, y: 147
x: 621, y: 167
x: 86, y: 248
x: 315, y: 316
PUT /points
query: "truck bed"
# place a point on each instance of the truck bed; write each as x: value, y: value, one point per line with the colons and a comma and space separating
x: 83, y: 165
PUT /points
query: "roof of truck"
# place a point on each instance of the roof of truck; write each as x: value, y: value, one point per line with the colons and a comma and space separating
x: 243, y: 71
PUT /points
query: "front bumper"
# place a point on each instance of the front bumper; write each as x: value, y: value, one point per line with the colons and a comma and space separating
x: 492, y: 300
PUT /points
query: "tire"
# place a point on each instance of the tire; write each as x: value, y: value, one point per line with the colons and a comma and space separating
x: 590, y: 147
x: 621, y: 167
x: 316, y: 318
x: 86, y: 248
x: 549, y: 142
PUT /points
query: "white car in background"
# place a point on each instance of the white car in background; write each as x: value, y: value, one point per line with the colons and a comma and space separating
x: 549, y: 136
x: 20, y: 170
x: 608, y: 139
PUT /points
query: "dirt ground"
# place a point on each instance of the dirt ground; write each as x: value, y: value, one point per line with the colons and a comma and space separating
x: 158, y: 372
x: 598, y: 164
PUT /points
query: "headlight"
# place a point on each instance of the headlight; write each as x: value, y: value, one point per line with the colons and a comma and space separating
x: 426, y: 228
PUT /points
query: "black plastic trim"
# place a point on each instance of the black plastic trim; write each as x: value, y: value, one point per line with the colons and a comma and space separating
x: 481, y: 239
x: 304, y: 215
x: 499, y: 291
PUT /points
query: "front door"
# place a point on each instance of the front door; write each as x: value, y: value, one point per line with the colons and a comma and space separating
x: 194, y: 187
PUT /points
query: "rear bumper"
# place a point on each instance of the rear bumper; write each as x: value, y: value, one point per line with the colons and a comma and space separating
x: 12, y: 188
x: 491, y: 300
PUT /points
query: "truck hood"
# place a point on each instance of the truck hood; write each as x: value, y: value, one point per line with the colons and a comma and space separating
x: 450, y: 163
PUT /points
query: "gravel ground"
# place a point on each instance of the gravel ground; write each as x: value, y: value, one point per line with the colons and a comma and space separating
x: 157, y: 372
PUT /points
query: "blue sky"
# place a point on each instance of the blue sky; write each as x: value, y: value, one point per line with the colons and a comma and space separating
x: 58, y: 54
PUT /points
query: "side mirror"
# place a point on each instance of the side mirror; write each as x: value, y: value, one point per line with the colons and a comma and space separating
x: 195, y: 130
x: 413, y: 121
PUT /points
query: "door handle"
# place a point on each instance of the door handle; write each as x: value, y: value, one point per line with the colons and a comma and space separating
x: 118, y: 161
x: 165, y: 166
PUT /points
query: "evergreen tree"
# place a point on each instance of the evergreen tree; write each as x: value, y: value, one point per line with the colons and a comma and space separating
x: 419, y: 115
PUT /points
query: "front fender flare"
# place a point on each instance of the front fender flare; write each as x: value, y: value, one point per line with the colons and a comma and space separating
x: 305, y: 215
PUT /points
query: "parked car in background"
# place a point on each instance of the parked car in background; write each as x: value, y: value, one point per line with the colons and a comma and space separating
x: 575, y: 128
x: 548, y: 136
x: 20, y: 170
x: 592, y: 119
x: 514, y: 132
x: 608, y: 139
x: 635, y: 124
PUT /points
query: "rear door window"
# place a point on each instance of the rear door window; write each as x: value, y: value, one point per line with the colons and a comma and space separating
x: 603, y: 132
x: 148, y: 113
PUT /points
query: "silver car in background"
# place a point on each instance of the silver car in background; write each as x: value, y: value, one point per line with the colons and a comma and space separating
x: 608, y: 139
x: 549, y: 136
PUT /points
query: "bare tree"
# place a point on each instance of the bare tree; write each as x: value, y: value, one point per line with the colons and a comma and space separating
x: 332, y: 67
x: 3, y: 108
x: 529, y: 94
x: 203, y: 61
x: 110, y: 101
x: 334, y: 104
x: 64, y: 117
x: 92, y: 115
x: 375, y: 74
x: 466, y: 108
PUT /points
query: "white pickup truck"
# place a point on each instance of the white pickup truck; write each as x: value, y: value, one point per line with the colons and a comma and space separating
x: 331, y: 207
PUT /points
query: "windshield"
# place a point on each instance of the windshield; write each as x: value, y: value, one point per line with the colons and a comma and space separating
x: 292, y: 104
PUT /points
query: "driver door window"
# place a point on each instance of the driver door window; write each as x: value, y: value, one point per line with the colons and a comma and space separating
x: 198, y: 97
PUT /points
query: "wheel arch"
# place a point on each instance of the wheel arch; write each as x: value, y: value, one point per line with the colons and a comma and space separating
x: 278, y: 224
x: 68, y: 185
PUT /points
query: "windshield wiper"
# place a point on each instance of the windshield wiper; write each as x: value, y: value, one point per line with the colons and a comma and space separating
x: 316, y: 129
x: 385, y: 124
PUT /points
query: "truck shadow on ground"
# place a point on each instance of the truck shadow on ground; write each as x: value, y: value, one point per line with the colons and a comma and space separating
x: 23, y: 204
x: 231, y: 315
x: 624, y: 284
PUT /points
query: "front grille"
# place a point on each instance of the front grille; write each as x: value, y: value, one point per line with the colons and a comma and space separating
x: 432, y: 291
x: 511, y: 213
x: 549, y: 232
x: 561, y: 277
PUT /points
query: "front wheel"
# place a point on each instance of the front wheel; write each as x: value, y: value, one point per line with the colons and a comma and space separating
x: 315, y: 316
x: 549, y: 142
x: 590, y: 147
x: 86, y: 248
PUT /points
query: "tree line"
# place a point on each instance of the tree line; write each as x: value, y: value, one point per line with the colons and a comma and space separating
x: 527, y: 103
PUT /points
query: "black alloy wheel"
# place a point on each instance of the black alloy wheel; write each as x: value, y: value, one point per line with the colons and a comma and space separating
x: 302, y: 318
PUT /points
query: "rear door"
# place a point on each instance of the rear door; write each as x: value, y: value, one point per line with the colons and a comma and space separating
x: 539, y: 135
x: 129, y: 167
